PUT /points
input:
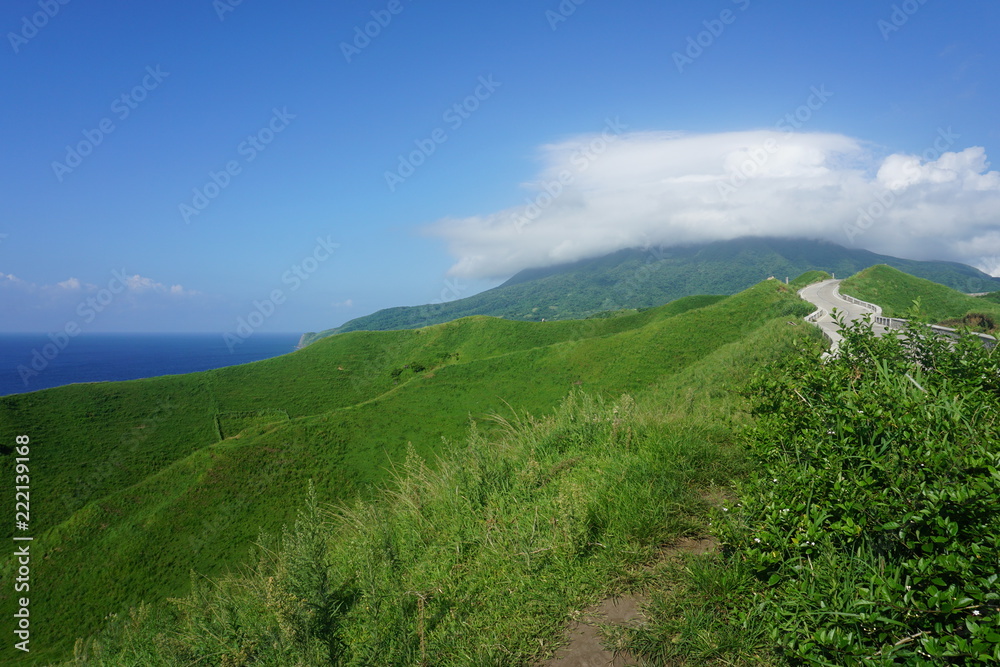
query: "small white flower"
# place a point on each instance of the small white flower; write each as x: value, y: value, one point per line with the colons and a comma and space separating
x: 975, y: 613
x: 725, y: 509
x: 757, y: 540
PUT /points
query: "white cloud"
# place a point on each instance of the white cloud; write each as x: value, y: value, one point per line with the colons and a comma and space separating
x: 593, y: 197
x: 119, y: 300
x: 990, y: 266
x: 10, y: 278
x: 135, y: 285
x: 70, y: 284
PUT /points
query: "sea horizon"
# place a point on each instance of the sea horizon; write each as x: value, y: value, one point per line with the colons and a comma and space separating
x: 35, y: 361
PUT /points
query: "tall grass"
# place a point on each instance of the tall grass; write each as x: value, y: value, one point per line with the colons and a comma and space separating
x: 475, y: 560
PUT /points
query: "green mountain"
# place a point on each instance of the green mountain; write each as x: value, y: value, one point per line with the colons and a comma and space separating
x: 643, y: 278
x: 136, y: 484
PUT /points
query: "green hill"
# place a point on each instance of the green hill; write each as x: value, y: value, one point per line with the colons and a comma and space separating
x: 482, y: 556
x: 134, y: 487
x: 645, y: 278
x: 896, y: 292
x: 455, y: 494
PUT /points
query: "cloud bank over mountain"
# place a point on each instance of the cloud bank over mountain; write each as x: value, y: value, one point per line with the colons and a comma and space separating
x: 599, y: 193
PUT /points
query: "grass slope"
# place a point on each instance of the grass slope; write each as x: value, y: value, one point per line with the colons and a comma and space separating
x: 896, y: 292
x: 857, y: 514
x: 480, y: 558
x: 138, y: 490
x: 106, y: 436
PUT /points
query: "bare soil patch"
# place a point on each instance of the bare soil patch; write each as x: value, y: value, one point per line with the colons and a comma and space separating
x: 585, y: 647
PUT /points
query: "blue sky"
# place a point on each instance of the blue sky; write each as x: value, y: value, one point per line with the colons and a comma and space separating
x: 229, y: 147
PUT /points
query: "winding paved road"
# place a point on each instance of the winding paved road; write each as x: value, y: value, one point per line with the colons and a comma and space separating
x: 826, y: 296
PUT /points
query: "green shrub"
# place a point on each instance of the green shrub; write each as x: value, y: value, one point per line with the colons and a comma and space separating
x: 872, y: 521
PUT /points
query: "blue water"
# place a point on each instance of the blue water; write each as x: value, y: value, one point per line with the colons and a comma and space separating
x: 104, y: 357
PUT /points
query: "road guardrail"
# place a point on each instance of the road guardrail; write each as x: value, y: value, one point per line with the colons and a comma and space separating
x: 900, y: 323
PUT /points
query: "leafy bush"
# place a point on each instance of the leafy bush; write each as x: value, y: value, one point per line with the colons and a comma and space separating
x: 872, y: 523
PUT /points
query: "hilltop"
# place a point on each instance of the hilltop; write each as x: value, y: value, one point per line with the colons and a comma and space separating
x: 898, y: 293
x: 643, y: 278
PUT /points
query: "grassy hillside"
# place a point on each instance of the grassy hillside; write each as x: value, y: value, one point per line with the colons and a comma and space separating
x: 479, y: 558
x: 107, y: 436
x: 855, y: 498
x: 992, y: 297
x: 138, y: 489
x: 654, y: 276
x: 896, y: 292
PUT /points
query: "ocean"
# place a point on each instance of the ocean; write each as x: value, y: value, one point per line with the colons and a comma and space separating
x: 29, y: 362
